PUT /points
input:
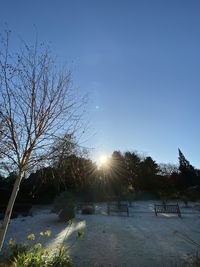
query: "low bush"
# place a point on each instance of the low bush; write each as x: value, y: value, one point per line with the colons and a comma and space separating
x: 88, y: 209
x: 67, y: 213
x: 64, y: 205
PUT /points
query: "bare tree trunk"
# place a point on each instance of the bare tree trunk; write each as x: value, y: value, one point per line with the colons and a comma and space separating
x: 37, y: 107
x: 9, y: 209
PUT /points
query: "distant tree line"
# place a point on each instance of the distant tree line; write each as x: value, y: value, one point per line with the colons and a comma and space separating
x: 127, y: 175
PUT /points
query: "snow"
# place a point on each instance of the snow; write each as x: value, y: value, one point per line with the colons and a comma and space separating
x: 117, y: 240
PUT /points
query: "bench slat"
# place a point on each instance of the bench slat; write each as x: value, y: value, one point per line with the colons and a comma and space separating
x: 167, y: 209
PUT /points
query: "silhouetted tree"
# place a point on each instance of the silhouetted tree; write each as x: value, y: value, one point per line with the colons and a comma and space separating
x: 63, y: 148
x: 187, y: 170
x: 80, y: 174
x: 148, y: 172
x: 132, y: 162
x: 166, y: 169
x: 118, y: 173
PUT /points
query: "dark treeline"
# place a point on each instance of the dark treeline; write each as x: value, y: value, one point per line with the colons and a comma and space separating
x: 126, y: 176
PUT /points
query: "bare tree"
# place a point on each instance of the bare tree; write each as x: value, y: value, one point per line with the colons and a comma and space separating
x: 37, y: 105
x: 168, y: 169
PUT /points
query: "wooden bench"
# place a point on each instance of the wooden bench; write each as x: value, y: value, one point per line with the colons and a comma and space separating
x: 117, y: 207
x: 164, y: 208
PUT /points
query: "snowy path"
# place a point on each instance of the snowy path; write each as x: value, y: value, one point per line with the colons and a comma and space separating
x: 139, y: 240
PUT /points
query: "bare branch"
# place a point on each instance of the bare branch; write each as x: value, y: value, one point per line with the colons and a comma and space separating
x: 38, y: 109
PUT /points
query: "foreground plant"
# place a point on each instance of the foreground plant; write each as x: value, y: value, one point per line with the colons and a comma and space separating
x: 34, y: 254
x: 39, y: 256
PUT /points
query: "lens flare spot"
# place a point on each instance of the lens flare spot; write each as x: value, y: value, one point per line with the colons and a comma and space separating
x: 103, y: 160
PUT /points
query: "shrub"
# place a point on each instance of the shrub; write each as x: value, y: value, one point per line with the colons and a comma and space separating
x: 67, y: 213
x: 64, y: 205
x: 88, y: 209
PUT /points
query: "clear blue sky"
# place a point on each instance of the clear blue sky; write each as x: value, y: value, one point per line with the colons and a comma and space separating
x: 139, y: 61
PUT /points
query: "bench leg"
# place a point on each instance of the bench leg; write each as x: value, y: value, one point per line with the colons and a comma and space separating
x: 108, y: 211
x: 127, y: 212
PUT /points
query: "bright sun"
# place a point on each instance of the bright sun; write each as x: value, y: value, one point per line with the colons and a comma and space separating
x: 103, y: 160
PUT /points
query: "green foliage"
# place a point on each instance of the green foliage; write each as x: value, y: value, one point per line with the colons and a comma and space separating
x: 60, y: 259
x: 37, y: 255
x: 16, y: 248
x: 65, y: 198
x: 67, y: 213
x: 80, y: 234
x: 64, y: 205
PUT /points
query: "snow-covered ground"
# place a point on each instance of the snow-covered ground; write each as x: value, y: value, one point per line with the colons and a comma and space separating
x: 142, y: 239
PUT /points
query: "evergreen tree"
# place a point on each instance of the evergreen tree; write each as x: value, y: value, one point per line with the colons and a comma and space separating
x: 132, y: 162
x: 187, y: 170
x: 148, y: 173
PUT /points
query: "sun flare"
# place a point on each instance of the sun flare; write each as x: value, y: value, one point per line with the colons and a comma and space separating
x: 103, y: 160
